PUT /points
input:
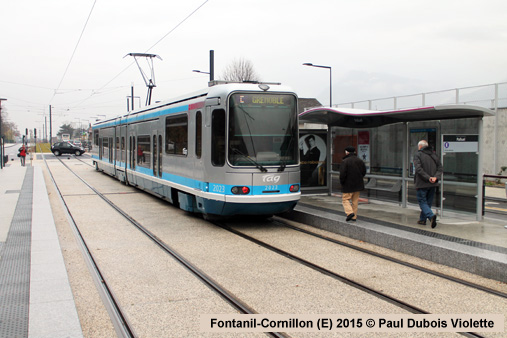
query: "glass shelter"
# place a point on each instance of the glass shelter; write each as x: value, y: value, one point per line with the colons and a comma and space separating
x: 387, y: 141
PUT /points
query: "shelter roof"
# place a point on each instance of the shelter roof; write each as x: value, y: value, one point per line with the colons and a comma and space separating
x: 359, y: 118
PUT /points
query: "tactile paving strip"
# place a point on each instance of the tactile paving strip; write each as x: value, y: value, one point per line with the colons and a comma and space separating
x: 15, y: 266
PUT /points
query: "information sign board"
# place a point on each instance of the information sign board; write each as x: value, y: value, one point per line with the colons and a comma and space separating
x: 460, y: 143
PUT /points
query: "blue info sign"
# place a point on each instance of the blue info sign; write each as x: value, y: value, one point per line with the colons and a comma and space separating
x: 460, y: 143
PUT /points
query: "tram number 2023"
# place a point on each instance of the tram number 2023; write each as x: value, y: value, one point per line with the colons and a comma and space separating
x: 219, y: 188
x: 270, y: 187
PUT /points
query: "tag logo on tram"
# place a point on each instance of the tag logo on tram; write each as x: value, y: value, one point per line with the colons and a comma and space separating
x: 271, y: 178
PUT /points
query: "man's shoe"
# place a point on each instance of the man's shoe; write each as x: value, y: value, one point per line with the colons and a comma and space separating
x: 433, y: 221
x: 421, y: 222
x: 349, y: 217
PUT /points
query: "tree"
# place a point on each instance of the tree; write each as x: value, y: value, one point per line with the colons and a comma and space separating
x: 65, y: 129
x: 240, y: 71
x: 9, y: 129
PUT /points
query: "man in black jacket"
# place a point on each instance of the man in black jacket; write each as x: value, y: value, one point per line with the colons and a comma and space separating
x: 428, y: 170
x: 352, y: 171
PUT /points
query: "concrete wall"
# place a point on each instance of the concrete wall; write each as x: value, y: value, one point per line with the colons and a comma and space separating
x: 495, y: 145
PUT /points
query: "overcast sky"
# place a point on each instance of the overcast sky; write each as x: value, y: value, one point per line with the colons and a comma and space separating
x: 375, y: 48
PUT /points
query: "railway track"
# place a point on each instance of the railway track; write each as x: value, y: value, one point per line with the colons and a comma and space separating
x: 363, y: 287
x: 241, y: 306
x: 120, y: 322
x: 398, y: 261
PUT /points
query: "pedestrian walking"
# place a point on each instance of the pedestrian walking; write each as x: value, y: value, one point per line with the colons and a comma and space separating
x: 428, y: 170
x: 22, y: 154
x: 352, y: 172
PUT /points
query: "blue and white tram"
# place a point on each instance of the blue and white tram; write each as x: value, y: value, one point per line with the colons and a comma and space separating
x: 230, y: 149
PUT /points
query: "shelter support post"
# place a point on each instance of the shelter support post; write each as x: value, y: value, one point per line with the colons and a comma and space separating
x: 442, y: 198
x: 404, y: 174
x: 479, y: 171
x: 329, y: 159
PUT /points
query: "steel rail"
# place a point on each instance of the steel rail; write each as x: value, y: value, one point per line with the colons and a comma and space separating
x: 119, y: 320
x: 327, y: 272
x: 398, y: 261
x: 202, y: 276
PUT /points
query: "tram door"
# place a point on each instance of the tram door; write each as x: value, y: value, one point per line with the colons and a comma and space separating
x: 157, y: 154
x: 131, y: 160
x: 101, y: 150
x: 116, y: 150
x: 198, y: 164
x: 123, y: 146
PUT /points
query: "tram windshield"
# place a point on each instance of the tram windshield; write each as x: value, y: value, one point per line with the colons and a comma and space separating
x: 262, y: 129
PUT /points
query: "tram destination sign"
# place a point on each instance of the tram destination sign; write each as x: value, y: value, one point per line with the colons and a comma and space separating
x: 263, y: 99
x: 460, y: 143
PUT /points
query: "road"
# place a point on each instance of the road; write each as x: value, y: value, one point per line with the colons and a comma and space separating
x: 11, y: 150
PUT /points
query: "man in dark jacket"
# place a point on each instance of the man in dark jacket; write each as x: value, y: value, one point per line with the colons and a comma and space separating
x: 352, y: 171
x: 428, y: 170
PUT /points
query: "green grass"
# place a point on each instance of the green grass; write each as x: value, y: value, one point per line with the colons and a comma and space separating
x: 43, y: 147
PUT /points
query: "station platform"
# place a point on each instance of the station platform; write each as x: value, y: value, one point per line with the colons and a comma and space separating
x: 36, y: 299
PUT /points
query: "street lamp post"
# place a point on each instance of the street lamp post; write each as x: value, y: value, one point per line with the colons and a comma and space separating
x: 1, y: 137
x: 198, y: 71
x: 330, y: 80
x: 97, y: 118
x: 79, y: 128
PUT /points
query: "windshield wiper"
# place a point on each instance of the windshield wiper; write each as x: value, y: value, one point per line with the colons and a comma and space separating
x: 282, y: 166
x: 257, y: 165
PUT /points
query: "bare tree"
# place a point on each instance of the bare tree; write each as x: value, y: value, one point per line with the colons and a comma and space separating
x: 240, y: 71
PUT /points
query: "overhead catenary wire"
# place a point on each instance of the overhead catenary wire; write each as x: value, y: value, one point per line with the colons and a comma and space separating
x: 156, y: 43
x: 74, y: 52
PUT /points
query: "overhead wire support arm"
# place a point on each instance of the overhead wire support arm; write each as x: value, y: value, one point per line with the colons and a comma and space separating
x: 148, y: 80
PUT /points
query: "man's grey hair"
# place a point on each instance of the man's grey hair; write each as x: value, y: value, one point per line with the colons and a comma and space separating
x: 422, y: 143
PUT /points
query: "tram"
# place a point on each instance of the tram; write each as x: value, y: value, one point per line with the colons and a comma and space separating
x: 230, y: 149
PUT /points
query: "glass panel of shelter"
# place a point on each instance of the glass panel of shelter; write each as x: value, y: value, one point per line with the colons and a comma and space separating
x: 383, y: 155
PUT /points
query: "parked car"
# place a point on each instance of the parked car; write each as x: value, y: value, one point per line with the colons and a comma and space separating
x: 66, y: 148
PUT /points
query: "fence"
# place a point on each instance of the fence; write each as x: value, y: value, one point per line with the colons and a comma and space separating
x: 492, y: 96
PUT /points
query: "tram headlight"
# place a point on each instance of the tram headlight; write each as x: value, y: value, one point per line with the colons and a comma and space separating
x: 294, y: 188
x: 240, y: 190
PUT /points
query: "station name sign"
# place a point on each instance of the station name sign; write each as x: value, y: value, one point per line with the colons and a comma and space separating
x: 460, y: 143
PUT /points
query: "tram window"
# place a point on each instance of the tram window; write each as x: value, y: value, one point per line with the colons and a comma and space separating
x: 218, y: 138
x: 96, y: 137
x: 176, y: 135
x: 144, y: 151
x: 198, y: 134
